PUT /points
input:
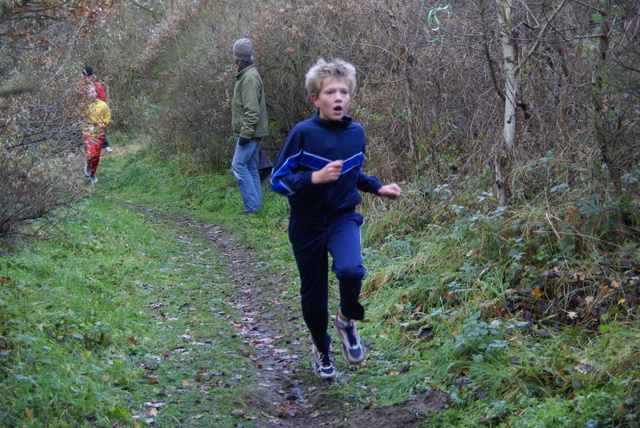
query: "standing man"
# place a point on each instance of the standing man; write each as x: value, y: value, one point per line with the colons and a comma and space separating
x: 249, y: 124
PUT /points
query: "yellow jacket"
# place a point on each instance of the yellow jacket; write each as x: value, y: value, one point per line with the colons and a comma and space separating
x: 98, y: 119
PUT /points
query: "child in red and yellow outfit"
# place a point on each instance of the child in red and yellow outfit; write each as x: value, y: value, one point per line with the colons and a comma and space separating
x: 97, y: 121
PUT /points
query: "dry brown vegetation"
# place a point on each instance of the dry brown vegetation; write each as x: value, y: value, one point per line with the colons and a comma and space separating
x: 431, y: 91
x: 44, y: 46
x: 431, y: 99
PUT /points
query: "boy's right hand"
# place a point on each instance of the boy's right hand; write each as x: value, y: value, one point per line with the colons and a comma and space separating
x: 330, y: 173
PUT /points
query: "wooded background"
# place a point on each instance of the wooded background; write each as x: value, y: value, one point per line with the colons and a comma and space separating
x: 500, y: 103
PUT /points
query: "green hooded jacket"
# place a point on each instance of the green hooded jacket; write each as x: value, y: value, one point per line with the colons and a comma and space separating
x: 248, y: 109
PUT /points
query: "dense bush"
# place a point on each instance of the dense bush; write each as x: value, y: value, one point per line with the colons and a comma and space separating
x: 431, y: 91
x: 41, y: 55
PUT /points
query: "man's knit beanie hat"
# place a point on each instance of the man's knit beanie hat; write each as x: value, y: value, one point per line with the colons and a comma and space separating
x: 242, y: 50
x: 87, y: 71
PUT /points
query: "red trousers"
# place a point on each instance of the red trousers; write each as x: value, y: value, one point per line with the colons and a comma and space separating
x: 94, y: 147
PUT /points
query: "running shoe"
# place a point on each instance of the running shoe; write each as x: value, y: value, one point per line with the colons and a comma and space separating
x: 352, y: 348
x: 94, y: 179
x: 324, y: 365
x: 87, y: 170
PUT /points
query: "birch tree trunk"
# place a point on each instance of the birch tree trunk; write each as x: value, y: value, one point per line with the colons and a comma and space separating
x: 510, y: 64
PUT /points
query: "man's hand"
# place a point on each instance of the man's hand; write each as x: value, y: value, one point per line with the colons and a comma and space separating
x: 391, y: 191
x: 328, y: 174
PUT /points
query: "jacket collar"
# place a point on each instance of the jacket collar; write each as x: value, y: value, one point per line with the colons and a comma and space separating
x: 343, y: 123
x: 242, y: 67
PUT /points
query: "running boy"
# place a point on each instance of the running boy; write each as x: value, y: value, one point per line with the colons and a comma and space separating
x: 320, y: 170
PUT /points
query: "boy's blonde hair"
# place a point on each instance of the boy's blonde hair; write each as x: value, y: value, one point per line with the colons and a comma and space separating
x: 322, y: 69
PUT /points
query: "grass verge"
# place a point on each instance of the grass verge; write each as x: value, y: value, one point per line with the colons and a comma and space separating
x: 126, y: 313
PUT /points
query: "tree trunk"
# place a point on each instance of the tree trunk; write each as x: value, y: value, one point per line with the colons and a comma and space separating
x: 603, y: 139
x: 501, y: 166
x: 510, y: 63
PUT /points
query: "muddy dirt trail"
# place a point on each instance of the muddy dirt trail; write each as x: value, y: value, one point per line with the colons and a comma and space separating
x: 279, y: 349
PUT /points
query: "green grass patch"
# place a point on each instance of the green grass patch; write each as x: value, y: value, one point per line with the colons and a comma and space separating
x: 113, y: 318
x: 126, y: 316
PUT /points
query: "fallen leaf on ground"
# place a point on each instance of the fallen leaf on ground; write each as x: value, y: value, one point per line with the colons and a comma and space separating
x: 580, y: 275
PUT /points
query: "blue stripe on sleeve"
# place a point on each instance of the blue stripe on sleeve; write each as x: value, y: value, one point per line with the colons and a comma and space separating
x: 287, y: 167
x: 354, y: 161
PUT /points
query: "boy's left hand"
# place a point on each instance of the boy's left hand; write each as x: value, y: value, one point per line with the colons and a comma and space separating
x: 391, y: 191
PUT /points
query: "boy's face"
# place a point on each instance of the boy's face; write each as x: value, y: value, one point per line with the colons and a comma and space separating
x: 333, y: 99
